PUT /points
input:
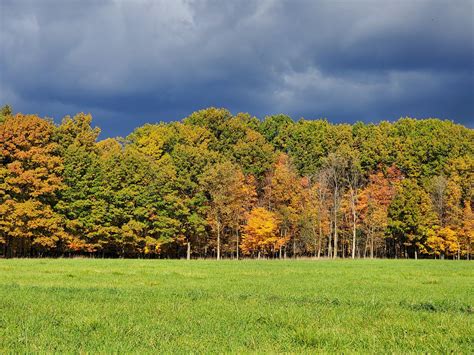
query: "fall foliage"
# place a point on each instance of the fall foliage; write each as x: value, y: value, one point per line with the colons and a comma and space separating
x: 230, y: 186
x: 260, y: 233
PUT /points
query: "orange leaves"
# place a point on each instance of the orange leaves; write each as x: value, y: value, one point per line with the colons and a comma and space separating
x: 260, y: 233
x: 377, y: 195
x: 33, y: 168
x: 31, y: 177
x: 30, y: 220
x: 20, y: 133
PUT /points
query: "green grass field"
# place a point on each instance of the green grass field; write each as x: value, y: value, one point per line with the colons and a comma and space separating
x: 246, y: 306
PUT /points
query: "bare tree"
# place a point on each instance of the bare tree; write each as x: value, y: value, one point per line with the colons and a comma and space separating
x: 335, y: 166
x: 354, y: 182
x: 322, y: 203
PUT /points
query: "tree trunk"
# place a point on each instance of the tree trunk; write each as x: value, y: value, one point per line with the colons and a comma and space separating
x: 354, y: 230
x: 318, y: 247
x: 188, y: 251
x: 319, y: 243
x: 218, y: 241
x: 329, y: 242
x: 294, y: 247
x: 371, y: 245
x: 237, y: 245
x: 335, y: 223
x: 343, y: 248
x: 315, y: 245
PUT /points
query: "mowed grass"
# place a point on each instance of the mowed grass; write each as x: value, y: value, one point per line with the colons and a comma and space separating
x: 87, y: 305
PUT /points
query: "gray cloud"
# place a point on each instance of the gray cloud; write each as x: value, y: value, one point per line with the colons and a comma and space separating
x: 130, y: 62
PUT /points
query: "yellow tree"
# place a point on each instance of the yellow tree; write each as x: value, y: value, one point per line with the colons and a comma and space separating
x: 244, y: 198
x: 442, y: 241
x: 283, y: 195
x: 467, y: 230
x: 446, y: 196
x: 261, y: 233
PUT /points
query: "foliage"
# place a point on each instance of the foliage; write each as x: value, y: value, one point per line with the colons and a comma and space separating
x: 190, y: 188
x: 30, y: 179
x: 260, y: 233
x: 5, y: 111
x: 410, y: 217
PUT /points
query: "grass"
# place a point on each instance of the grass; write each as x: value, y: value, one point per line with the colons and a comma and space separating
x: 87, y: 305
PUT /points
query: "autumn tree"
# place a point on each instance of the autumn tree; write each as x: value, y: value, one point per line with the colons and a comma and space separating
x: 261, y: 233
x: 282, y: 195
x: 467, y: 230
x: 374, y: 203
x: 442, y: 241
x: 30, y: 178
x: 155, y: 193
x: 229, y: 198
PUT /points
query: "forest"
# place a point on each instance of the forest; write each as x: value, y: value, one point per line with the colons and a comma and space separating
x: 218, y: 185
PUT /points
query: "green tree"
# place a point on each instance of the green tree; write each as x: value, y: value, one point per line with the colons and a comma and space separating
x: 76, y: 141
x: 5, y: 111
x: 410, y: 217
x: 272, y: 128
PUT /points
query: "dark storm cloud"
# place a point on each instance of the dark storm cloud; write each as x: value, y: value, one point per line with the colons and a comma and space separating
x: 129, y: 62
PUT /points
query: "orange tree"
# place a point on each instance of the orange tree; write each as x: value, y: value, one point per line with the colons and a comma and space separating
x: 30, y: 177
x: 261, y: 233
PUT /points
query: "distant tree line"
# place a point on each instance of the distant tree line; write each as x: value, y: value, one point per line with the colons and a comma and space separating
x: 224, y: 186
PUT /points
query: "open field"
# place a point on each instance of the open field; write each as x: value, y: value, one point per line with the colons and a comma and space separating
x: 208, y: 306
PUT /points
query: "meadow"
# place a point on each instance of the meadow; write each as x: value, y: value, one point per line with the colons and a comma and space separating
x: 119, y: 305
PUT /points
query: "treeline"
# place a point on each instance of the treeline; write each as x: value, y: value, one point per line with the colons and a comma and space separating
x: 225, y: 186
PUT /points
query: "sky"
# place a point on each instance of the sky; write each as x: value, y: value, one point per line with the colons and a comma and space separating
x: 132, y: 62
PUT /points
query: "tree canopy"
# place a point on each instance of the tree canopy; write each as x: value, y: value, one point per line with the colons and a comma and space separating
x: 227, y: 186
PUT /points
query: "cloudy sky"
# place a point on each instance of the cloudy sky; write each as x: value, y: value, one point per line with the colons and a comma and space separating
x: 129, y: 62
